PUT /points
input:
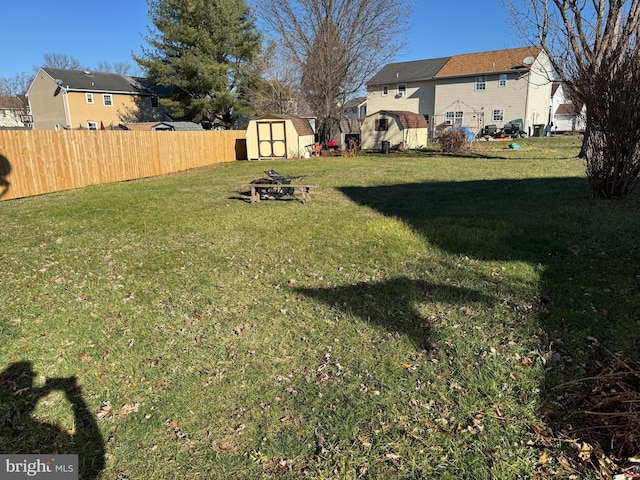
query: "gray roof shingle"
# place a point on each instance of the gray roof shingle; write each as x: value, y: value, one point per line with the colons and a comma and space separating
x: 414, y: 71
x: 100, y: 81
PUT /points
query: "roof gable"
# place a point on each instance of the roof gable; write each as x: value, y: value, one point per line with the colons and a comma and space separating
x: 10, y: 103
x: 302, y: 125
x: 406, y: 119
x: 408, y: 71
x: 490, y: 62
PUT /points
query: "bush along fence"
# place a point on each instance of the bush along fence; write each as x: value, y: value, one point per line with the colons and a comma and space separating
x: 37, y: 162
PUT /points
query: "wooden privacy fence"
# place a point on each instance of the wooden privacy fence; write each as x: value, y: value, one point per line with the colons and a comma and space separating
x: 36, y: 162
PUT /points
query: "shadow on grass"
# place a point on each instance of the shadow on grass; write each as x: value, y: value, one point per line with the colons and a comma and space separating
x: 587, y: 252
x: 22, y: 433
x: 391, y: 304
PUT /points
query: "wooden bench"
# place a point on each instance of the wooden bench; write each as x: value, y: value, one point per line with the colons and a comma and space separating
x: 304, y: 190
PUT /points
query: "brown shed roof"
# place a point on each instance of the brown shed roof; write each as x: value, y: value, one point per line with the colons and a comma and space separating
x: 302, y: 125
x: 488, y: 62
x: 407, y: 119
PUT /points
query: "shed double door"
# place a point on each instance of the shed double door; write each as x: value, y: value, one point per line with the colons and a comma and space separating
x: 272, y: 139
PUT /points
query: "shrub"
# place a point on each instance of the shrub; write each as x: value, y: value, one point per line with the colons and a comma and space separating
x: 452, y: 141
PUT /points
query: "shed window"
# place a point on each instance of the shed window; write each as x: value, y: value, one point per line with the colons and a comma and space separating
x: 382, y: 125
x: 481, y: 84
x: 154, y: 102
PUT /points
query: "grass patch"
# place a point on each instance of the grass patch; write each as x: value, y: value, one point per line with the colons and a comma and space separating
x: 411, y: 321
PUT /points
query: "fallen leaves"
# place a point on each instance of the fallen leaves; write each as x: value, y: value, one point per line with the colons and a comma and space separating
x: 106, y: 410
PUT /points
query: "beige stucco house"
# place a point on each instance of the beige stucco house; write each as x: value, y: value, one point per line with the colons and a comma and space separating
x: 470, y: 90
x: 73, y: 99
x: 403, y: 130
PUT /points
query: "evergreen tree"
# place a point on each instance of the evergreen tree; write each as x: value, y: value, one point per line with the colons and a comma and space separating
x: 204, y: 52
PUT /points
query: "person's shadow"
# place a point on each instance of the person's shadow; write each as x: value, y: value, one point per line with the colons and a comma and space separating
x: 21, y: 433
x: 5, y: 170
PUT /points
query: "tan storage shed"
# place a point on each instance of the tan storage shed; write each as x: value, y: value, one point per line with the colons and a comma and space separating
x: 404, y: 130
x: 278, y: 136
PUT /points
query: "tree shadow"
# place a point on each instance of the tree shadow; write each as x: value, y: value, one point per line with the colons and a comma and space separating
x: 5, y: 171
x: 392, y: 304
x: 22, y: 433
x: 589, y: 281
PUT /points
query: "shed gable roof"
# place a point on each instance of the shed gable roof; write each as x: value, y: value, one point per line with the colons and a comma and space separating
x: 302, y: 125
x: 406, y: 119
x: 489, y: 62
x: 408, y: 71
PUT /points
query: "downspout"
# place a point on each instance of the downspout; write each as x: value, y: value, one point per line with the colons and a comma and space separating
x: 526, y: 105
x: 67, y: 113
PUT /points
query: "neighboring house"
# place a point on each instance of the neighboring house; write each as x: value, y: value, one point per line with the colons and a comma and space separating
x: 565, y: 115
x: 74, y: 99
x: 403, y: 130
x: 356, y: 108
x: 494, y: 88
x: 470, y: 90
x: 279, y: 136
x: 13, y: 113
x: 405, y: 86
x: 164, y: 126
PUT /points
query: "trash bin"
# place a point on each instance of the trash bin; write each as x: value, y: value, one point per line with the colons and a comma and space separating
x: 386, y: 147
x: 538, y: 130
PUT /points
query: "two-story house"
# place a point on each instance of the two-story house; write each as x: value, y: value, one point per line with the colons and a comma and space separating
x: 565, y: 114
x: 74, y: 99
x: 13, y: 112
x: 470, y: 90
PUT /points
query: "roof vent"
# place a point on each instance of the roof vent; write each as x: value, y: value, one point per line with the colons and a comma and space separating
x: 87, y: 72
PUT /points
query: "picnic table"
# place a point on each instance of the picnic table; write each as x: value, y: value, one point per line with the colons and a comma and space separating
x: 278, y: 186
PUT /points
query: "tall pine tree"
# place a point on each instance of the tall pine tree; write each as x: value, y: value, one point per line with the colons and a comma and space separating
x: 204, y: 52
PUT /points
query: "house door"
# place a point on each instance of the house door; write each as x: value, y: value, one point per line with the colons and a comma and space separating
x: 272, y: 139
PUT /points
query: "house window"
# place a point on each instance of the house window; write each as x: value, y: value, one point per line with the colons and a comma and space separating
x: 454, y: 118
x: 497, y: 115
x: 154, y: 102
x: 107, y: 100
x: 402, y: 90
x: 481, y: 84
x: 385, y: 91
x: 502, y: 82
x: 382, y: 125
x: 89, y: 97
x: 92, y: 125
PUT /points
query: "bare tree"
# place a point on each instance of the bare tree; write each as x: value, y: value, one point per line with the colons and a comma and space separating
x: 121, y: 68
x: 593, y: 46
x: 61, y: 60
x: 337, y: 44
x: 16, y: 89
x: 276, y: 86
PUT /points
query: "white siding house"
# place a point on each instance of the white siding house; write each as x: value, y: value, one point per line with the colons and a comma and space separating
x: 494, y: 88
x: 470, y: 90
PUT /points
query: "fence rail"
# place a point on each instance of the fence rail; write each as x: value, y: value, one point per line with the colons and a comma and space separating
x: 37, y: 162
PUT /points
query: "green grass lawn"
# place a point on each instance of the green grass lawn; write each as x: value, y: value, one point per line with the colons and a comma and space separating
x: 420, y: 318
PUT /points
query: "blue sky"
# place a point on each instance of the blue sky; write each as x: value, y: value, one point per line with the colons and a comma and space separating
x: 110, y: 31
